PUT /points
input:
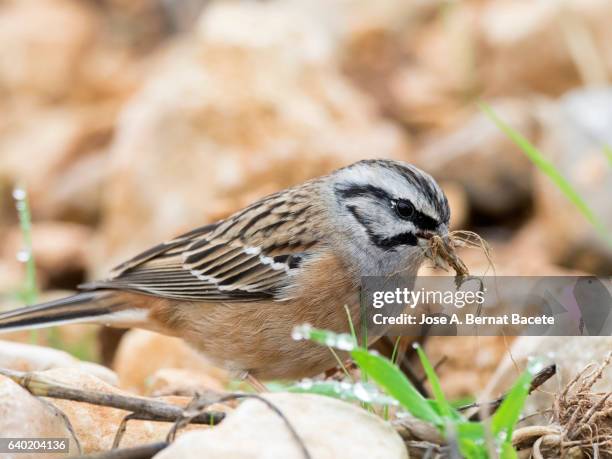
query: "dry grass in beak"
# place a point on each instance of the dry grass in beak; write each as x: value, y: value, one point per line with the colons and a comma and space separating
x: 442, y: 251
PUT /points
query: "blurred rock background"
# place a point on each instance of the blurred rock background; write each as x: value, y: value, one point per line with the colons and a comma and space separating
x: 129, y: 122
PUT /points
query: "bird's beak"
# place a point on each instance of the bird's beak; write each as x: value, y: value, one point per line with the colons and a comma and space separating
x: 424, y: 237
x: 440, y: 248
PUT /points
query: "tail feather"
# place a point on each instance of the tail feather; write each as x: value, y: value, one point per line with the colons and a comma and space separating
x: 83, y: 307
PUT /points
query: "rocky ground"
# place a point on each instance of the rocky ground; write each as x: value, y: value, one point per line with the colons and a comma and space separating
x: 130, y: 122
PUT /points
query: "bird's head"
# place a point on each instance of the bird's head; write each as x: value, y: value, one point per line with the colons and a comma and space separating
x: 387, y: 211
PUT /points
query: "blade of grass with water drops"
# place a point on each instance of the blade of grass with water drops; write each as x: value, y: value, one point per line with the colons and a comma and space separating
x: 445, y: 408
x: 29, y: 291
x: 471, y: 439
x: 509, y: 412
x: 340, y: 341
x: 344, y: 390
x: 395, y: 383
x: 386, y: 375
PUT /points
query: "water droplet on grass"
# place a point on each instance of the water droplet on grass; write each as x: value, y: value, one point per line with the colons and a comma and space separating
x: 345, y: 342
x: 362, y: 393
x: 305, y: 384
x: 19, y: 194
x: 23, y: 255
x: 301, y: 332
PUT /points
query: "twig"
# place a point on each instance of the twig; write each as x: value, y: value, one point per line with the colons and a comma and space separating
x: 148, y: 409
x: 417, y: 431
x: 121, y: 429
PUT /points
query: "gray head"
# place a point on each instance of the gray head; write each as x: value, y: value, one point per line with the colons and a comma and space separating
x: 388, y: 210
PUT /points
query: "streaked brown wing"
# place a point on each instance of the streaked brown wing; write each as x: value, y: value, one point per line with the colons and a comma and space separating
x: 248, y: 257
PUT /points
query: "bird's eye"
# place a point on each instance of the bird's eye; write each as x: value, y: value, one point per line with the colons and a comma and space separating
x: 404, y: 209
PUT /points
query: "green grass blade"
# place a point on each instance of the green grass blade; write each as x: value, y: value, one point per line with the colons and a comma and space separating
x: 395, y: 383
x: 507, y: 415
x: 394, y: 358
x: 446, y: 410
x: 472, y: 450
x: 29, y: 291
x: 507, y: 451
x: 548, y: 168
x: 344, y: 390
x: 471, y: 439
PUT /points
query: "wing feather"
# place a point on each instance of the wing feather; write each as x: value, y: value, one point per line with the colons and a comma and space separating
x: 248, y: 257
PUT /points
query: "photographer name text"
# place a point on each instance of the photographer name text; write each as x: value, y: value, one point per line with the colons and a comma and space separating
x: 464, y: 319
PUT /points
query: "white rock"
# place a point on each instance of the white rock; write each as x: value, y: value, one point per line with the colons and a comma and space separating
x: 25, y: 416
x: 27, y: 357
x: 329, y: 428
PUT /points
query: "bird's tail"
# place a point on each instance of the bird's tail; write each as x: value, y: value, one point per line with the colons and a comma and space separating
x: 95, y: 306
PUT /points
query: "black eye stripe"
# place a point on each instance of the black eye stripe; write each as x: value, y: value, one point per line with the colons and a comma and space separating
x: 352, y: 190
x: 406, y: 211
x: 424, y: 222
x: 386, y: 243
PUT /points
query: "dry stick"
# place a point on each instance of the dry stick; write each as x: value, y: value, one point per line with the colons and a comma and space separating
x: 540, y: 378
x: 122, y: 427
x: 153, y: 410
